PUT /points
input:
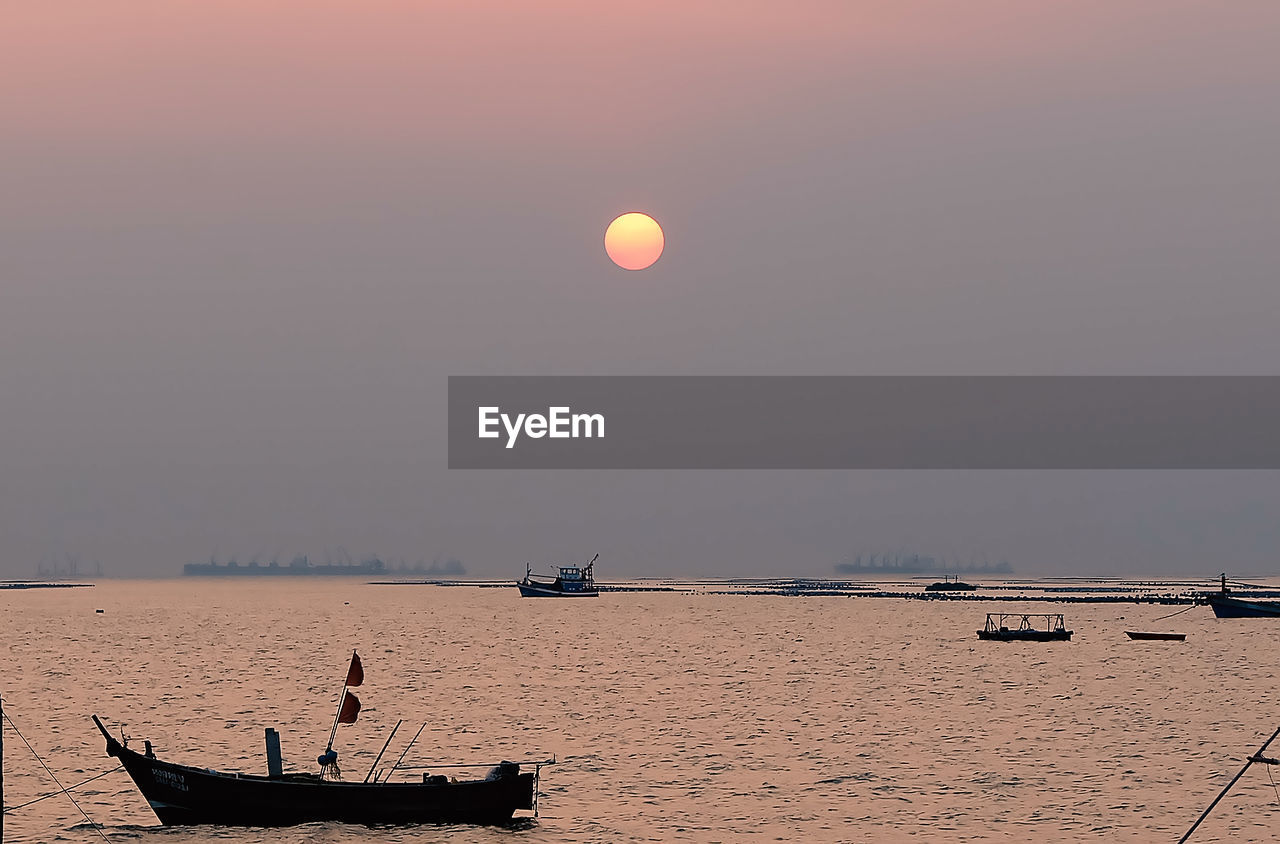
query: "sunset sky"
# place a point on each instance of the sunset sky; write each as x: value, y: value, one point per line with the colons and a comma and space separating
x: 242, y: 246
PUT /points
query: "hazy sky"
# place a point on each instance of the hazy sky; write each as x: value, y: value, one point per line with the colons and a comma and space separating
x: 242, y: 246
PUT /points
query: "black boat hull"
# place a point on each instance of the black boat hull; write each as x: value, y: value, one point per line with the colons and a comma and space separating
x: 182, y: 795
x: 1025, y: 635
x: 1226, y: 607
x: 1155, y: 637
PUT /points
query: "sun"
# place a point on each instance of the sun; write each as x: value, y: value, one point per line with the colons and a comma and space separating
x: 634, y: 241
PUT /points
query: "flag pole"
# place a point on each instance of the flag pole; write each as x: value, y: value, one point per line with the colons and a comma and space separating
x: 341, y: 699
x: 1, y: 770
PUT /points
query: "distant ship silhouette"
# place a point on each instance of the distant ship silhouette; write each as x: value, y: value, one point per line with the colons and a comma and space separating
x: 300, y: 566
x: 917, y: 564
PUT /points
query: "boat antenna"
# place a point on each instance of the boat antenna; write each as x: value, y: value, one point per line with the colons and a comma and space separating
x: 405, y: 752
x: 378, y: 759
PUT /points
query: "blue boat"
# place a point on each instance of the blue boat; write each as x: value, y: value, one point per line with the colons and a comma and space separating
x: 571, y: 582
x: 1224, y: 606
x: 1227, y: 607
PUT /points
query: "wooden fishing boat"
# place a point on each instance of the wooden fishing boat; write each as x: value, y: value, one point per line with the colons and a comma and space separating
x: 571, y: 582
x: 949, y: 585
x: 1031, y: 627
x: 1164, y: 637
x: 1225, y: 606
x: 185, y: 794
x: 182, y: 794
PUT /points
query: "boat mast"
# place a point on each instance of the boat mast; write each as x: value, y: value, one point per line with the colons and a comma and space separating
x: 342, y: 699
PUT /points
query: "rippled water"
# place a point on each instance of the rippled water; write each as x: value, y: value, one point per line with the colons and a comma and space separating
x: 675, y: 717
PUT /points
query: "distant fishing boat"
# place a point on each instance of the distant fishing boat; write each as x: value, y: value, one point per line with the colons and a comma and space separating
x: 571, y: 582
x: 1170, y: 637
x: 1031, y: 627
x: 949, y: 585
x: 182, y: 794
x: 1224, y: 606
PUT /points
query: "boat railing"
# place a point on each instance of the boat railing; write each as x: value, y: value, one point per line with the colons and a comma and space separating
x: 996, y: 622
x: 431, y: 765
x: 536, y: 764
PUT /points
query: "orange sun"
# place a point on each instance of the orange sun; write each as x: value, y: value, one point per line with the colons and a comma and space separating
x: 634, y: 241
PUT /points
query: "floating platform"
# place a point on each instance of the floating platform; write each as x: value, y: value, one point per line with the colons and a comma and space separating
x: 1031, y: 627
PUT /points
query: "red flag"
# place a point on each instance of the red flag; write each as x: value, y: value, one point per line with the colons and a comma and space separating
x: 355, y: 674
x: 350, y: 709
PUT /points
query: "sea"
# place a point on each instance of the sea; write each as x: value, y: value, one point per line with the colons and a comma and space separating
x: 683, y: 716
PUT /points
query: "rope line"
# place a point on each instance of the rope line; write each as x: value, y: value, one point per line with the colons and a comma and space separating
x: 54, y: 777
x: 1179, y: 612
x: 8, y: 809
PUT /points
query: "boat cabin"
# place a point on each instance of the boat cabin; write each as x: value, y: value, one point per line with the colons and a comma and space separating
x: 573, y: 579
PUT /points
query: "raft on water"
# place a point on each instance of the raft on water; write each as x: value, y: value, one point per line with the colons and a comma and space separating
x: 1031, y: 627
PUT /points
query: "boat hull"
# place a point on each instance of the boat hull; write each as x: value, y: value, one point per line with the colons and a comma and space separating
x: 183, y: 795
x: 951, y: 586
x: 535, y: 590
x: 1025, y: 635
x: 1225, y: 607
x: 1154, y: 637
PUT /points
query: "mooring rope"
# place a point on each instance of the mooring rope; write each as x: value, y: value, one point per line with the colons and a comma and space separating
x: 54, y: 777
x: 8, y: 809
x: 1179, y: 612
x: 1257, y: 757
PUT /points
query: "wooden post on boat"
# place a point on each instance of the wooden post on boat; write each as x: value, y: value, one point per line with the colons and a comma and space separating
x: 1257, y: 757
x: 275, y: 767
x: 1, y: 769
